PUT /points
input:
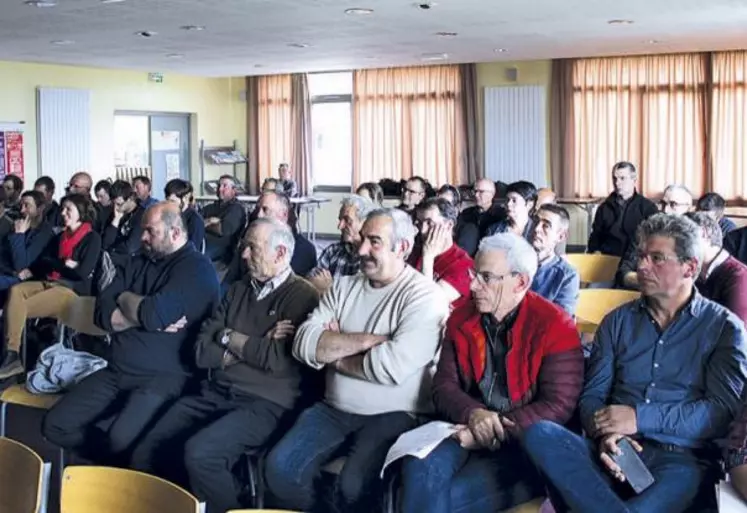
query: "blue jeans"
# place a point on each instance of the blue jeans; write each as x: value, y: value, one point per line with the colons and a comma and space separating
x: 577, y: 482
x: 7, y: 281
x: 452, y: 479
x: 294, y: 464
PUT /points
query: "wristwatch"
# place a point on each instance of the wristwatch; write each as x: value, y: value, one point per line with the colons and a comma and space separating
x: 225, y: 339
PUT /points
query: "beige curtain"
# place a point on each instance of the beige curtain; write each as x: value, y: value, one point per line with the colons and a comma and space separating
x: 729, y: 124
x: 649, y: 110
x: 406, y: 121
x: 564, y: 178
x: 301, y: 133
x: 274, y: 124
x: 472, y: 147
x: 252, y: 129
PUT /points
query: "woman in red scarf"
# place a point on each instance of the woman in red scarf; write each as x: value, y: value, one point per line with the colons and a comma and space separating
x: 65, y: 273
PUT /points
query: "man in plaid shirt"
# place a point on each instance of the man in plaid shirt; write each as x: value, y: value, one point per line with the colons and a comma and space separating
x: 341, y: 258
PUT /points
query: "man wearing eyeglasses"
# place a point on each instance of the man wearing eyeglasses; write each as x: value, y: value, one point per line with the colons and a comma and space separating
x: 473, y: 222
x: 677, y: 200
x: 412, y: 193
x: 666, y: 373
x: 620, y: 214
x: 510, y: 358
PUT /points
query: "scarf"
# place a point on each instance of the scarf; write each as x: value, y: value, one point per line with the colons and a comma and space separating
x: 68, y: 243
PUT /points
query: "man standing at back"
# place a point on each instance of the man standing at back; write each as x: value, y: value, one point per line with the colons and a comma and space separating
x: 377, y: 334
x: 618, y: 217
x: 224, y: 222
x: 473, y: 222
x: 153, y: 311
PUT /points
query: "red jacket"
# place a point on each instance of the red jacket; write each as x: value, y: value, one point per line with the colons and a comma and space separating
x: 453, y: 267
x: 544, y: 364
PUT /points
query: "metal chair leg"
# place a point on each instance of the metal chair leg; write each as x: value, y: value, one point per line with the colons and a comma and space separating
x: 3, y: 416
x: 61, y: 465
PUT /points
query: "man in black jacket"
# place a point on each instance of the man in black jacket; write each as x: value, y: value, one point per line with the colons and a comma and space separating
x: 735, y: 243
x: 473, y: 222
x: 618, y: 217
x: 121, y: 237
x: 153, y: 311
x: 254, y: 381
x: 224, y: 223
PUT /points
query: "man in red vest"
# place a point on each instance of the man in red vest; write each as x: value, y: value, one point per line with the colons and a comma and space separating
x: 510, y: 358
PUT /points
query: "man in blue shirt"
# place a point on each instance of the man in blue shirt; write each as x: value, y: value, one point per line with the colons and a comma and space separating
x: 667, y: 372
x: 556, y: 280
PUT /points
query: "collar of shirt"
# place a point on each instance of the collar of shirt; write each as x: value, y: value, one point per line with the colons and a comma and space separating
x: 264, y: 289
x: 549, y: 260
x: 721, y: 257
x: 495, y: 328
x: 693, y: 306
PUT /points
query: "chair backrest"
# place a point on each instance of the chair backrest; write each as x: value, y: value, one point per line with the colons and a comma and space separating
x: 113, y: 490
x: 595, y: 304
x: 22, y: 480
x: 594, y: 268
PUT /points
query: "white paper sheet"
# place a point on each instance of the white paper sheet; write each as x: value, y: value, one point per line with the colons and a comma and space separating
x: 728, y: 499
x: 419, y: 442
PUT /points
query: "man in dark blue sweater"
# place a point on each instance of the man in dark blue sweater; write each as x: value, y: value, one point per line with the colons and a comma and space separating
x: 153, y: 310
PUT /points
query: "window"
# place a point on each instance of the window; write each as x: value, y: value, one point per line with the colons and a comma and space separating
x: 131, y: 144
x: 331, y: 128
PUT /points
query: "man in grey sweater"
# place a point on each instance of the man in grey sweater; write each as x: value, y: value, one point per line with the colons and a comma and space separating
x: 377, y: 334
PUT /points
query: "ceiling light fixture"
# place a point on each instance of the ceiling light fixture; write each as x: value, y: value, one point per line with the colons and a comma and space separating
x: 41, y: 3
x: 431, y: 57
x: 146, y: 33
x: 359, y: 11
x: 111, y: 1
x: 174, y: 55
x: 61, y: 42
x: 195, y: 28
x: 620, y: 22
x: 653, y: 41
x: 500, y: 50
x: 447, y: 34
x: 425, y: 6
x: 298, y: 45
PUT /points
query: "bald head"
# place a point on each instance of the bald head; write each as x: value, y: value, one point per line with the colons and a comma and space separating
x: 81, y: 183
x: 484, y: 190
x: 163, y: 230
x: 545, y: 196
x: 273, y: 205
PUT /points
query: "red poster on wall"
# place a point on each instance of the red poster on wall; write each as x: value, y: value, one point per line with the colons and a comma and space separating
x: 14, y: 154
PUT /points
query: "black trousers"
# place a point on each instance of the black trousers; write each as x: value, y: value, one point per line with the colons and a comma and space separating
x: 208, y: 433
x: 131, y: 402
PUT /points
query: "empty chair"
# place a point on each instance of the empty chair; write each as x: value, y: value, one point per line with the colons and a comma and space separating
x: 24, y: 478
x: 113, y: 490
x: 596, y: 268
x: 595, y: 304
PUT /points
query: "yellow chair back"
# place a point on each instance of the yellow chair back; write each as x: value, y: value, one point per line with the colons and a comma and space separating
x: 594, y: 268
x: 22, y: 480
x: 595, y: 304
x: 114, y: 490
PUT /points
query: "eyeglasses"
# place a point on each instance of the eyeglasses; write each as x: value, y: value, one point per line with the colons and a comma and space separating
x: 411, y: 191
x: 656, y: 258
x: 481, y: 191
x: 486, y: 278
x: 671, y: 204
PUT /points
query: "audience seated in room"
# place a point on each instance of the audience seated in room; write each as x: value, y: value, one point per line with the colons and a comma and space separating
x: 13, y: 186
x: 510, y: 358
x: 714, y: 205
x: 341, y: 258
x: 372, y: 191
x: 121, y: 237
x: 224, y: 223
x: 20, y: 250
x: 413, y: 192
x: 80, y: 183
x: 61, y: 274
x: 556, y: 280
x: 181, y: 193
x: 153, y: 310
x: 451, y: 194
x: 46, y: 186
x: 103, y: 204
x: 723, y: 278
x: 667, y: 372
x: 473, y: 222
x: 287, y: 185
x: 677, y: 200
x: 254, y: 383
x: 271, y: 185
x: 619, y: 215
x: 142, y: 186
x: 521, y: 197
x: 435, y: 253
x: 376, y: 334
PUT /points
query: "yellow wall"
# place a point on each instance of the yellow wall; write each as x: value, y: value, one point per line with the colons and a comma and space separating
x: 220, y: 114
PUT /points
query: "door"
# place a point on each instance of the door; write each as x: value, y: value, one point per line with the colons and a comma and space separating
x: 169, y: 144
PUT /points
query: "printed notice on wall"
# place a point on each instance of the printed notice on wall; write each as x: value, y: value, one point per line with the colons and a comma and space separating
x: 172, y: 166
x: 11, y: 153
x: 164, y: 140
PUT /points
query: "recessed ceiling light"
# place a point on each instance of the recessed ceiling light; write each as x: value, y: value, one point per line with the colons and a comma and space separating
x: 259, y: 65
x: 500, y: 50
x: 430, y: 57
x: 146, y: 33
x: 653, y: 42
x: 62, y: 42
x: 41, y: 3
x: 425, y: 6
x: 298, y: 45
x: 620, y: 22
x: 111, y: 1
x: 447, y: 34
x: 196, y: 28
x: 359, y: 11
x: 174, y: 55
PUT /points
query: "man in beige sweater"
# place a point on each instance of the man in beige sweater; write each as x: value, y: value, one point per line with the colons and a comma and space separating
x: 377, y: 334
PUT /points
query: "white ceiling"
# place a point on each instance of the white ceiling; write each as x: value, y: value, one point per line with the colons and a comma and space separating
x: 249, y: 37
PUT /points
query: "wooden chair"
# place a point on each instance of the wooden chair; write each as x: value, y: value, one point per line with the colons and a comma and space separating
x: 24, y: 479
x: 114, y: 490
x: 595, y: 304
x: 594, y: 268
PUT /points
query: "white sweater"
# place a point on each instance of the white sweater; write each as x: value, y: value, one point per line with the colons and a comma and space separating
x: 411, y: 311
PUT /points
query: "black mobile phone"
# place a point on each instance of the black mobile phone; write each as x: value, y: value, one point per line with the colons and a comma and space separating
x: 632, y: 466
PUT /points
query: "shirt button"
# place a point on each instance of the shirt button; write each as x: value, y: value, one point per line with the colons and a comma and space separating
x: 653, y: 385
x: 648, y: 401
x: 661, y: 342
x: 656, y: 365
